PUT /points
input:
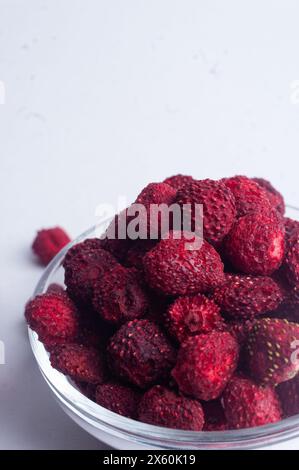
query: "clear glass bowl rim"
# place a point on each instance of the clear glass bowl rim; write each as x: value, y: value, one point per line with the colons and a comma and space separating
x: 135, y: 431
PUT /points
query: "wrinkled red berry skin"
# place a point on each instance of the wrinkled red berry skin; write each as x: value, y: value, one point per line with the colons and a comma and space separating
x: 54, y: 317
x: 83, y: 363
x: 255, y: 245
x: 291, y: 263
x: 250, y: 197
x: 274, y: 196
x: 271, y: 351
x: 205, y: 364
x: 140, y: 353
x: 156, y: 193
x: 291, y: 231
x: 247, y: 404
x: 215, y: 419
x: 118, y: 398
x: 162, y: 407
x: 119, y: 297
x: 177, y: 181
x: 219, y: 208
x: 244, y: 297
x: 48, y: 243
x: 84, y: 264
x: 192, y: 315
x: 172, y: 269
x: 288, y: 393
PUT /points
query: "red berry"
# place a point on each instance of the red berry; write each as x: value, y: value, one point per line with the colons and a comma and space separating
x: 54, y: 317
x: 255, y: 245
x: 271, y: 350
x: 215, y: 419
x: 288, y: 393
x: 177, y: 181
x: 247, y: 404
x: 249, y: 196
x: 83, y: 363
x: 163, y: 407
x: 192, y: 315
x: 55, y: 288
x: 119, y: 297
x: 156, y: 193
x: 291, y: 263
x: 205, y: 364
x: 118, y: 398
x: 173, y: 269
x: 140, y: 353
x: 275, y: 198
x: 48, y: 243
x: 134, y: 256
x: 291, y: 231
x: 219, y: 209
x: 247, y: 296
x: 84, y: 264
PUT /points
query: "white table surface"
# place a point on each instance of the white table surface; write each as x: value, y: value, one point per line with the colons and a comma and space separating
x: 102, y: 97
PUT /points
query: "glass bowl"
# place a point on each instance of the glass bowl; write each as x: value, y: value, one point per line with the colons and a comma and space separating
x: 124, y: 433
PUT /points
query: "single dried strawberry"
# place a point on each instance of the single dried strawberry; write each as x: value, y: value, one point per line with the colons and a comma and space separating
x: 140, y: 353
x: 219, y: 208
x: 248, y: 296
x: 271, y: 350
x: 173, y: 269
x: 192, y: 315
x: 215, y: 419
x: 118, y: 398
x: 48, y: 243
x: 288, y: 393
x: 205, y: 364
x: 163, y: 407
x: 83, y: 363
x: 291, y: 231
x: 156, y: 193
x: 54, y: 317
x: 177, y: 181
x: 247, y: 404
x: 255, y: 245
x: 275, y: 197
x: 84, y: 264
x: 119, y: 296
x: 250, y: 197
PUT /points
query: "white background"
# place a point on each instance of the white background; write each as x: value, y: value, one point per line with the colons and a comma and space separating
x: 105, y: 96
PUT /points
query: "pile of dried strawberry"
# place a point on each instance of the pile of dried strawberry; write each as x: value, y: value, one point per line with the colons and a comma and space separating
x: 188, y: 339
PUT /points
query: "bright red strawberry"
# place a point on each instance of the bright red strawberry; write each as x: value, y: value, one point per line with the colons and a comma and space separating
x: 288, y: 393
x: 250, y: 197
x: 274, y: 196
x: 248, y: 296
x: 54, y: 317
x: 247, y: 404
x: 83, y: 363
x: 192, y: 315
x: 219, y: 208
x: 205, y: 364
x: 173, y: 269
x: 49, y: 242
x: 272, y: 350
x: 163, y: 407
x: 255, y: 245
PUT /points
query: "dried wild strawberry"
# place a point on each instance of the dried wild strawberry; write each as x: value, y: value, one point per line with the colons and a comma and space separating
x: 274, y: 196
x: 247, y: 404
x: 48, y: 243
x: 164, y: 407
x: 118, y: 398
x: 177, y: 181
x: 205, y: 364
